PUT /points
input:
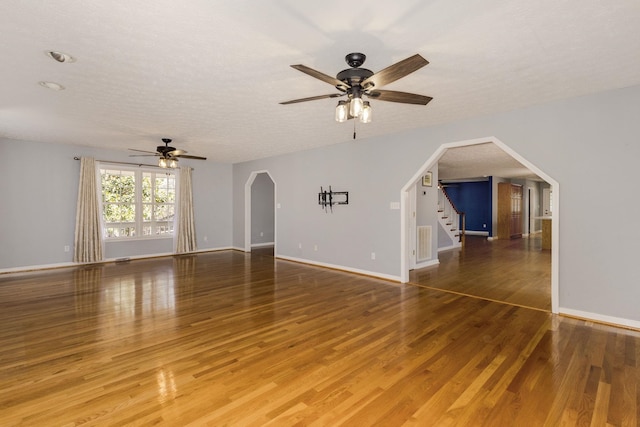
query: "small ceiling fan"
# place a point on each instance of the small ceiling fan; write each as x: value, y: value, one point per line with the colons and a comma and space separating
x: 168, y: 156
x: 356, y: 82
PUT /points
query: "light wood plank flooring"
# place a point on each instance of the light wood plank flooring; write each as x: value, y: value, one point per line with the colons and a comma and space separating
x: 236, y: 339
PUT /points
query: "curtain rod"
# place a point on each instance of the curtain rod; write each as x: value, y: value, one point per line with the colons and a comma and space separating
x: 126, y: 163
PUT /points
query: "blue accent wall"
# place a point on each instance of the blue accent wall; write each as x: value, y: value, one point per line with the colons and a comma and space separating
x: 474, y: 199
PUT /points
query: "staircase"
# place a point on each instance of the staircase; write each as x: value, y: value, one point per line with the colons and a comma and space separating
x: 450, y: 218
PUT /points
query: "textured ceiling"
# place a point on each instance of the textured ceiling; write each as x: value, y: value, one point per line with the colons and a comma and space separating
x: 210, y: 74
x: 481, y: 160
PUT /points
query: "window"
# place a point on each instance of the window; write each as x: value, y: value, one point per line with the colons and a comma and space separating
x: 137, y: 203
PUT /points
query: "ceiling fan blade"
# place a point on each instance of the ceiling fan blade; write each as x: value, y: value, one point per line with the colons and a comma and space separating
x: 395, y: 96
x: 143, y: 151
x: 395, y: 71
x: 322, y: 76
x: 143, y: 155
x: 313, y: 98
x: 182, y: 156
x: 176, y: 153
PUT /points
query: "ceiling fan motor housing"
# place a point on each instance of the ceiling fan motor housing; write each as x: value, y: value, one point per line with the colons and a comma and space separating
x: 165, y: 149
x: 354, y: 76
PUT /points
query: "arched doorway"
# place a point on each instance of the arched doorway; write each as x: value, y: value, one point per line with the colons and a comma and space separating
x: 260, y: 213
x: 431, y: 163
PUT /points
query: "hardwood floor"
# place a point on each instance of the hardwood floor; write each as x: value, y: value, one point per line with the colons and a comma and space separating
x: 228, y: 338
x: 514, y: 271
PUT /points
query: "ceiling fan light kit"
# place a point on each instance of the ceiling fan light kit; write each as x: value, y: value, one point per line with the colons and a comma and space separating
x: 170, y: 163
x: 356, y: 82
x: 342, y: 111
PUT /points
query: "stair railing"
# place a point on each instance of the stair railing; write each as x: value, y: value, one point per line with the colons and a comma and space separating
x: 448, y: 209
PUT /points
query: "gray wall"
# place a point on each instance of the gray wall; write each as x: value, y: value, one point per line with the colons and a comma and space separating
x: 262, y: 213
x: 39, y: 188
x: 585, y: 144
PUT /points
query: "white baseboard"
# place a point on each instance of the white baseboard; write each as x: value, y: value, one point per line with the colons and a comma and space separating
x: 476, y: 233
x: 262, y: 245
x: 104, y: 261
x: 425, y: 264
x: 600, y: 318
x: 447, y: 248
x: 341, y: 267
x: 37, y: 267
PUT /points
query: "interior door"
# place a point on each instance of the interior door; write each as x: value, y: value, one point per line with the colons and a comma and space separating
x: 546, y: 201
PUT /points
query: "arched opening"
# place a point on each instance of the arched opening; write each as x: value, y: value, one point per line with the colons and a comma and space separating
x: 408, y: 191
x: 260, y: 211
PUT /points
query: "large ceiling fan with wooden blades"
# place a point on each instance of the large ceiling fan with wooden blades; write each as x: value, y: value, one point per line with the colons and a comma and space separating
x: 167, y: 156
x: 356, y: 82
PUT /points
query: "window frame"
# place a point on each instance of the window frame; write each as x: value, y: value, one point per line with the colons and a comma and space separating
x: 139, y: 205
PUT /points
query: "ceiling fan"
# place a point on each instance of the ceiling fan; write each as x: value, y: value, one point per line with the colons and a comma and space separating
x: 167, y: 156
x: 356, y: 82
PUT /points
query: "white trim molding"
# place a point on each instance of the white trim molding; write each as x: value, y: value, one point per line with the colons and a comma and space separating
x: 429, y: 263
x: 108, y: 260
x: 340, y: 268
x: 262, y: 245
x: 600, y: 318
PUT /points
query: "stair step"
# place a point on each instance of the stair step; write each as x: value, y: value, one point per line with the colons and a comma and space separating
x: 440, y: 210
x: 454, y: 229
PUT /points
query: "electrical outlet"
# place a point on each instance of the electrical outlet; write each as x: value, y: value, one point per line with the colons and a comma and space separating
x: 261, y: 234
x: 315, y: 247
x: 67, y: 248
x: 299, y: 245
x: 373, y: 255
x: 484, y: 225
x: 205, y: 238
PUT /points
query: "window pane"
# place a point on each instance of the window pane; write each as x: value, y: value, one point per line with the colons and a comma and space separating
x: 146, y: 212
x: 164, y: 228
x: 171, y: 189
x: 118, y: 186
x: 146, y: 188
x: 111, y: 213
x: 127, y: 213
x: 161, y: 189
x: 160, y: 213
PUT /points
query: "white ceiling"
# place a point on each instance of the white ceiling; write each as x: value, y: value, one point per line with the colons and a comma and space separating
x: 481, y: 160
x: 211, y: 74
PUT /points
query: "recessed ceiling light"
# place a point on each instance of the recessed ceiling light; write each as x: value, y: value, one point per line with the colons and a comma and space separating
x: 60, y: 56
x: 51, y: 85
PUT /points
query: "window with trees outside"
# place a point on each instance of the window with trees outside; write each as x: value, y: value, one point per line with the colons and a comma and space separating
x: 137, y: 203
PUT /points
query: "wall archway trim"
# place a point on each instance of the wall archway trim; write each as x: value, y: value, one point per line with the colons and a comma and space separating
x: 247, y: 210
x: 432, y: 161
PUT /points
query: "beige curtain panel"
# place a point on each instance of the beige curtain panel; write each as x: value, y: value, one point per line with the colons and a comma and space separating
x: 88, y: 234
x: 186, y: 234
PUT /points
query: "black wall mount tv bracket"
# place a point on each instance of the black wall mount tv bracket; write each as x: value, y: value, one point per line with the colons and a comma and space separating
x: 327, y: 199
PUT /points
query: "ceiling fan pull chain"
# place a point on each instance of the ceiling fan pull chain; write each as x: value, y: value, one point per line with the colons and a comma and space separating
x: 354, y: 128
